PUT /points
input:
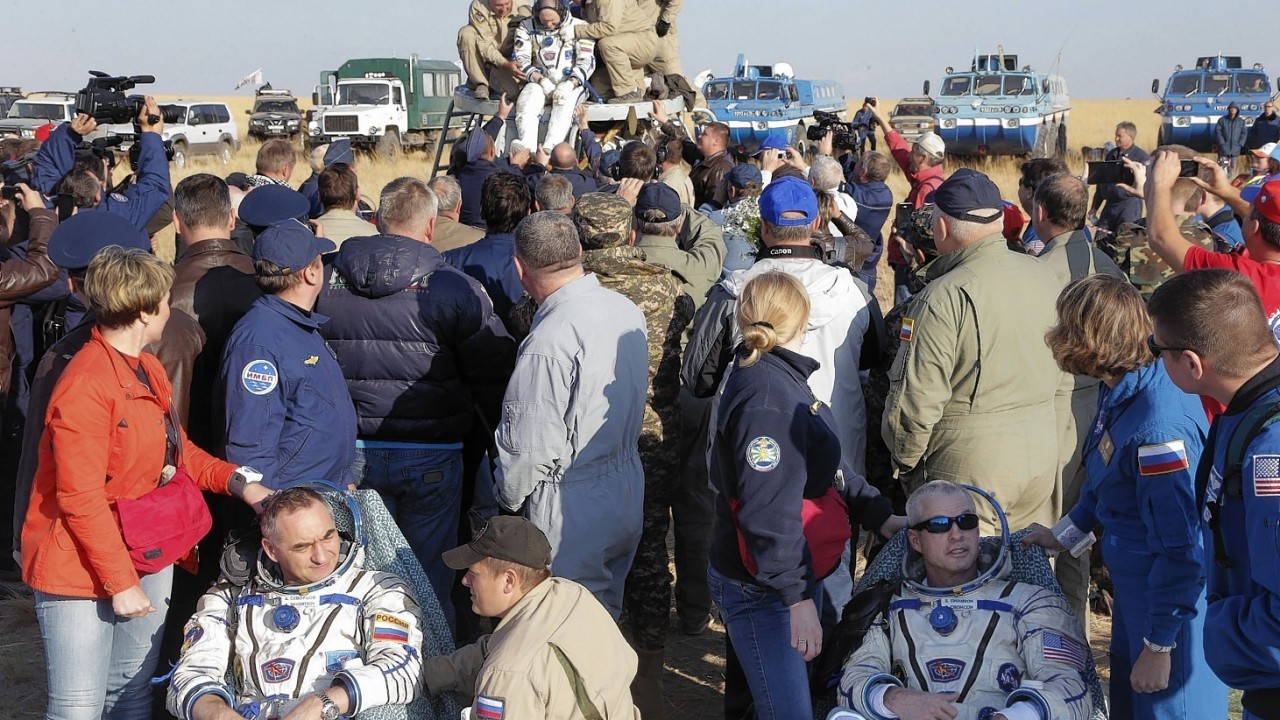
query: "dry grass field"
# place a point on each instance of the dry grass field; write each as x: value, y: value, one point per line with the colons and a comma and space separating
x: 695, y: 664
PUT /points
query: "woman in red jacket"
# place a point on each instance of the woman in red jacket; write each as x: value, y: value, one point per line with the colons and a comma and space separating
x: 108, y: 436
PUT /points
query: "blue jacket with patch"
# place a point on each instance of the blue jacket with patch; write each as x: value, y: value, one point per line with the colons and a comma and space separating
x: 1242, y: 624
x: 1141, y: 454
x: 138, y: 204
x: 769, y: 450
x: 286, y: 410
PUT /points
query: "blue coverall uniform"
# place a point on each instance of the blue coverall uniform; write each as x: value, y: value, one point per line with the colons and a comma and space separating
x: 138, y: 204
x: 1242, y: 625
x: 1141, y: 455
x: 287, y: 410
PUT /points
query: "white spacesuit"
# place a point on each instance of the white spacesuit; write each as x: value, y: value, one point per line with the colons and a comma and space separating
x: 357, y: 627
x: 557, y: 66
x: 1004, y: 646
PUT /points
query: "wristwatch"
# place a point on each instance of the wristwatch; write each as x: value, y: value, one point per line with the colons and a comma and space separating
x: 328, y: 708
x: 1158, y: 648
x: 240, y: 479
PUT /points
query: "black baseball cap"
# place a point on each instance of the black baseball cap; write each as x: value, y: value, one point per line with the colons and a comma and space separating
x: 503, y: 537
x: 657, y: 202
x: 966, y: 191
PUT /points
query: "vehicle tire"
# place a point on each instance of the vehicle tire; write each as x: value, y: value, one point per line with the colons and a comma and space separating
x: 180, y: 154
x: 1162, y: 137
x: 226, y: 152
x: 1060, y: 148
x: 389, y: 147
x: 802, y: 139
x: 1041, y: 148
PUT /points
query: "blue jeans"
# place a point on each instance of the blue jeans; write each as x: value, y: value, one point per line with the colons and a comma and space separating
x: 1194, y: 691
x: 100, y: 665
x: 759, y: 626
x: 422, y: 487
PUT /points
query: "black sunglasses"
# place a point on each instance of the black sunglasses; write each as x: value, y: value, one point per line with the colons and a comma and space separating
x: 942, y: 523
x: 1157, y: 349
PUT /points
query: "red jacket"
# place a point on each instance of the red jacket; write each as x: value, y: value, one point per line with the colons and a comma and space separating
x: 104, y: 439
x: 922, y: 183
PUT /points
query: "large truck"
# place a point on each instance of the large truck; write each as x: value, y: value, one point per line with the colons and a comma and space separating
x: 383, y: 104
x: 1195, y: 98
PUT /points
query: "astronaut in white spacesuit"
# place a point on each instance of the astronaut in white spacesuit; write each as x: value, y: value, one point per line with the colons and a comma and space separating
x: 310, y: 631
x: 959, y: 639
x: 556, y: 65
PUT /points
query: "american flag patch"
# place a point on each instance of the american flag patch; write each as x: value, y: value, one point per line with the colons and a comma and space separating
x: 489, y: 708
x: 1163, y: 458
x: 908, y: 326
x: 1266, y: 475
x: 1060, y: 648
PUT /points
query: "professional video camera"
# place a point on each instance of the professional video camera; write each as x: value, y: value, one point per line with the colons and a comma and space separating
x: 104, y: 99
x: 843, y: 135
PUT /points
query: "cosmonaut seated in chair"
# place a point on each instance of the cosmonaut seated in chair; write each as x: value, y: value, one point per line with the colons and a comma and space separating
x: 557, y: 66
x: 959, y: 638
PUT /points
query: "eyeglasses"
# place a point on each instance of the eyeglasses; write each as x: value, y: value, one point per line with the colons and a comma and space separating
x: 1156, y: 350
x: 942, y: 523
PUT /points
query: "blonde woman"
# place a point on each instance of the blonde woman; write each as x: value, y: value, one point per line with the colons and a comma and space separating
x: 774, y: 446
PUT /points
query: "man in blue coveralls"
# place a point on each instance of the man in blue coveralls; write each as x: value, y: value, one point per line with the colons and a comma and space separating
x: 286, y: 403
x: 1213, y: 335
x: 57, y: 157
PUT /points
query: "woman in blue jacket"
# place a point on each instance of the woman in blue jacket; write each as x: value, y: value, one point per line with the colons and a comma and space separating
x: 774, y: 445
x: 1141, y: 455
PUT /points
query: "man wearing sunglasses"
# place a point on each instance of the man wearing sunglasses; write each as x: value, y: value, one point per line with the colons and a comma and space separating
x: 960, y: 640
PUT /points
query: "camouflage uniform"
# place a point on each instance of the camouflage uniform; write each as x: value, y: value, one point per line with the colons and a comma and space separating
x: 1144, y: 268
x: 602, y: 221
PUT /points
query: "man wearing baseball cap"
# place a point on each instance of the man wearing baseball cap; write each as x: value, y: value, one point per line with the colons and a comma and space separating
x: 555, y: 653
x: 659, y: 222
x: 286, y: 410
x: 972, y: 370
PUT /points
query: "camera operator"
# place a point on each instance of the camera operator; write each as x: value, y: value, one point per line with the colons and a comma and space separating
x: 151, y: 189
x: 864, y: 124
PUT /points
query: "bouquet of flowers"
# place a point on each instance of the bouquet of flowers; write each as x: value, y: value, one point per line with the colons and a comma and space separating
x: 743, y: 219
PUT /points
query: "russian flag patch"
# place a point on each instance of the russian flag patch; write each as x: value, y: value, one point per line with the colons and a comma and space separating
x: 1163, y: 458
x: 908, y: 327
x: 490, y: 708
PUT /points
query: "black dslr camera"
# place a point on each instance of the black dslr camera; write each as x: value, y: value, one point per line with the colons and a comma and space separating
x: 104, y: 99
x: 843, y: 136
x: 17, y: 170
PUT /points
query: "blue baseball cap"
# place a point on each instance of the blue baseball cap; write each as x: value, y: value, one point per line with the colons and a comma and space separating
x: 744, y: 173
x: 269, y: 204
x: 775, y: 141
x: 473, y: 145
x: 290, y: 245
x: 658, y: 202
x: 966, y: 191
x: 788, y: 194
x: 77, y: 239
x: 339, y: 152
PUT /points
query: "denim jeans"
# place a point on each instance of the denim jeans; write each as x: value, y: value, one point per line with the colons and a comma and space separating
x: 421, y: 486
x: 759, y: 626
x: 100, y: 665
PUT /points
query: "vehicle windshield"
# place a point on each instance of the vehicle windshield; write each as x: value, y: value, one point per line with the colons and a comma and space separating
x: 276, y: 106
x: 912, y: 109
x: 1184, y: 84
x: 957, y: 85
x: 1019, y: 85
x: 717, y: 91
x: 1251, y: 82
x: 987, y: 85
x: 363, y: 94
x: 769, y: 91
x: 1217, y: 84
x: 36, y: 111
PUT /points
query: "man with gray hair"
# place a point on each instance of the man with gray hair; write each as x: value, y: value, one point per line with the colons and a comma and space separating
x: 567, y: 441
x: 450, y: 233
x: 971, y: 395
x: 675, y: 237
x: 1112, y: 205
x: 421, y: 351
x: 554, y: 193
x: 826, y: 175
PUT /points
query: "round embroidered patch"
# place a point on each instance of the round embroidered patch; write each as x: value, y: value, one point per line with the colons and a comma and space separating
x: 1008, y: 677
x: 763, y: 454
x: 259, y: 377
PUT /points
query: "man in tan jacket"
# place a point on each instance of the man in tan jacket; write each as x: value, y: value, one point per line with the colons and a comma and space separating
x: 485, y: 45
x: 556, y: 652
x: 625, y: 43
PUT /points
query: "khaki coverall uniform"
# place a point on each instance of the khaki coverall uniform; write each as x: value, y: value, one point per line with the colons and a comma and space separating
x: 486, y: 43
x: 667, y: 58
x: 971, y: 395
x: 625, y: 43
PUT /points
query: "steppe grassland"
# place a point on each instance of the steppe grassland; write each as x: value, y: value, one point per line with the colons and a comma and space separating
x: 1092, y: 123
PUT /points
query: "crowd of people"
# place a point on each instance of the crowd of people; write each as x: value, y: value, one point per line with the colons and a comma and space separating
x: 544, y: 363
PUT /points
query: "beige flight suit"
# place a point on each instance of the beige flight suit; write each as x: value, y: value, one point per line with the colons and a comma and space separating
x: 667, y: 58
x: 557, y: 654
x: 1072, y: 256
x: 625, y: 43
x: 485, y: 45
x: 971, y: 394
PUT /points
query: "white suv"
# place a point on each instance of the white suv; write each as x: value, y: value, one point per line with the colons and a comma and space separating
x: 206, y: 128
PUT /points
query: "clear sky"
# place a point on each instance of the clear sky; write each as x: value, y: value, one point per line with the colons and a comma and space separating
x: 1108, y: 48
